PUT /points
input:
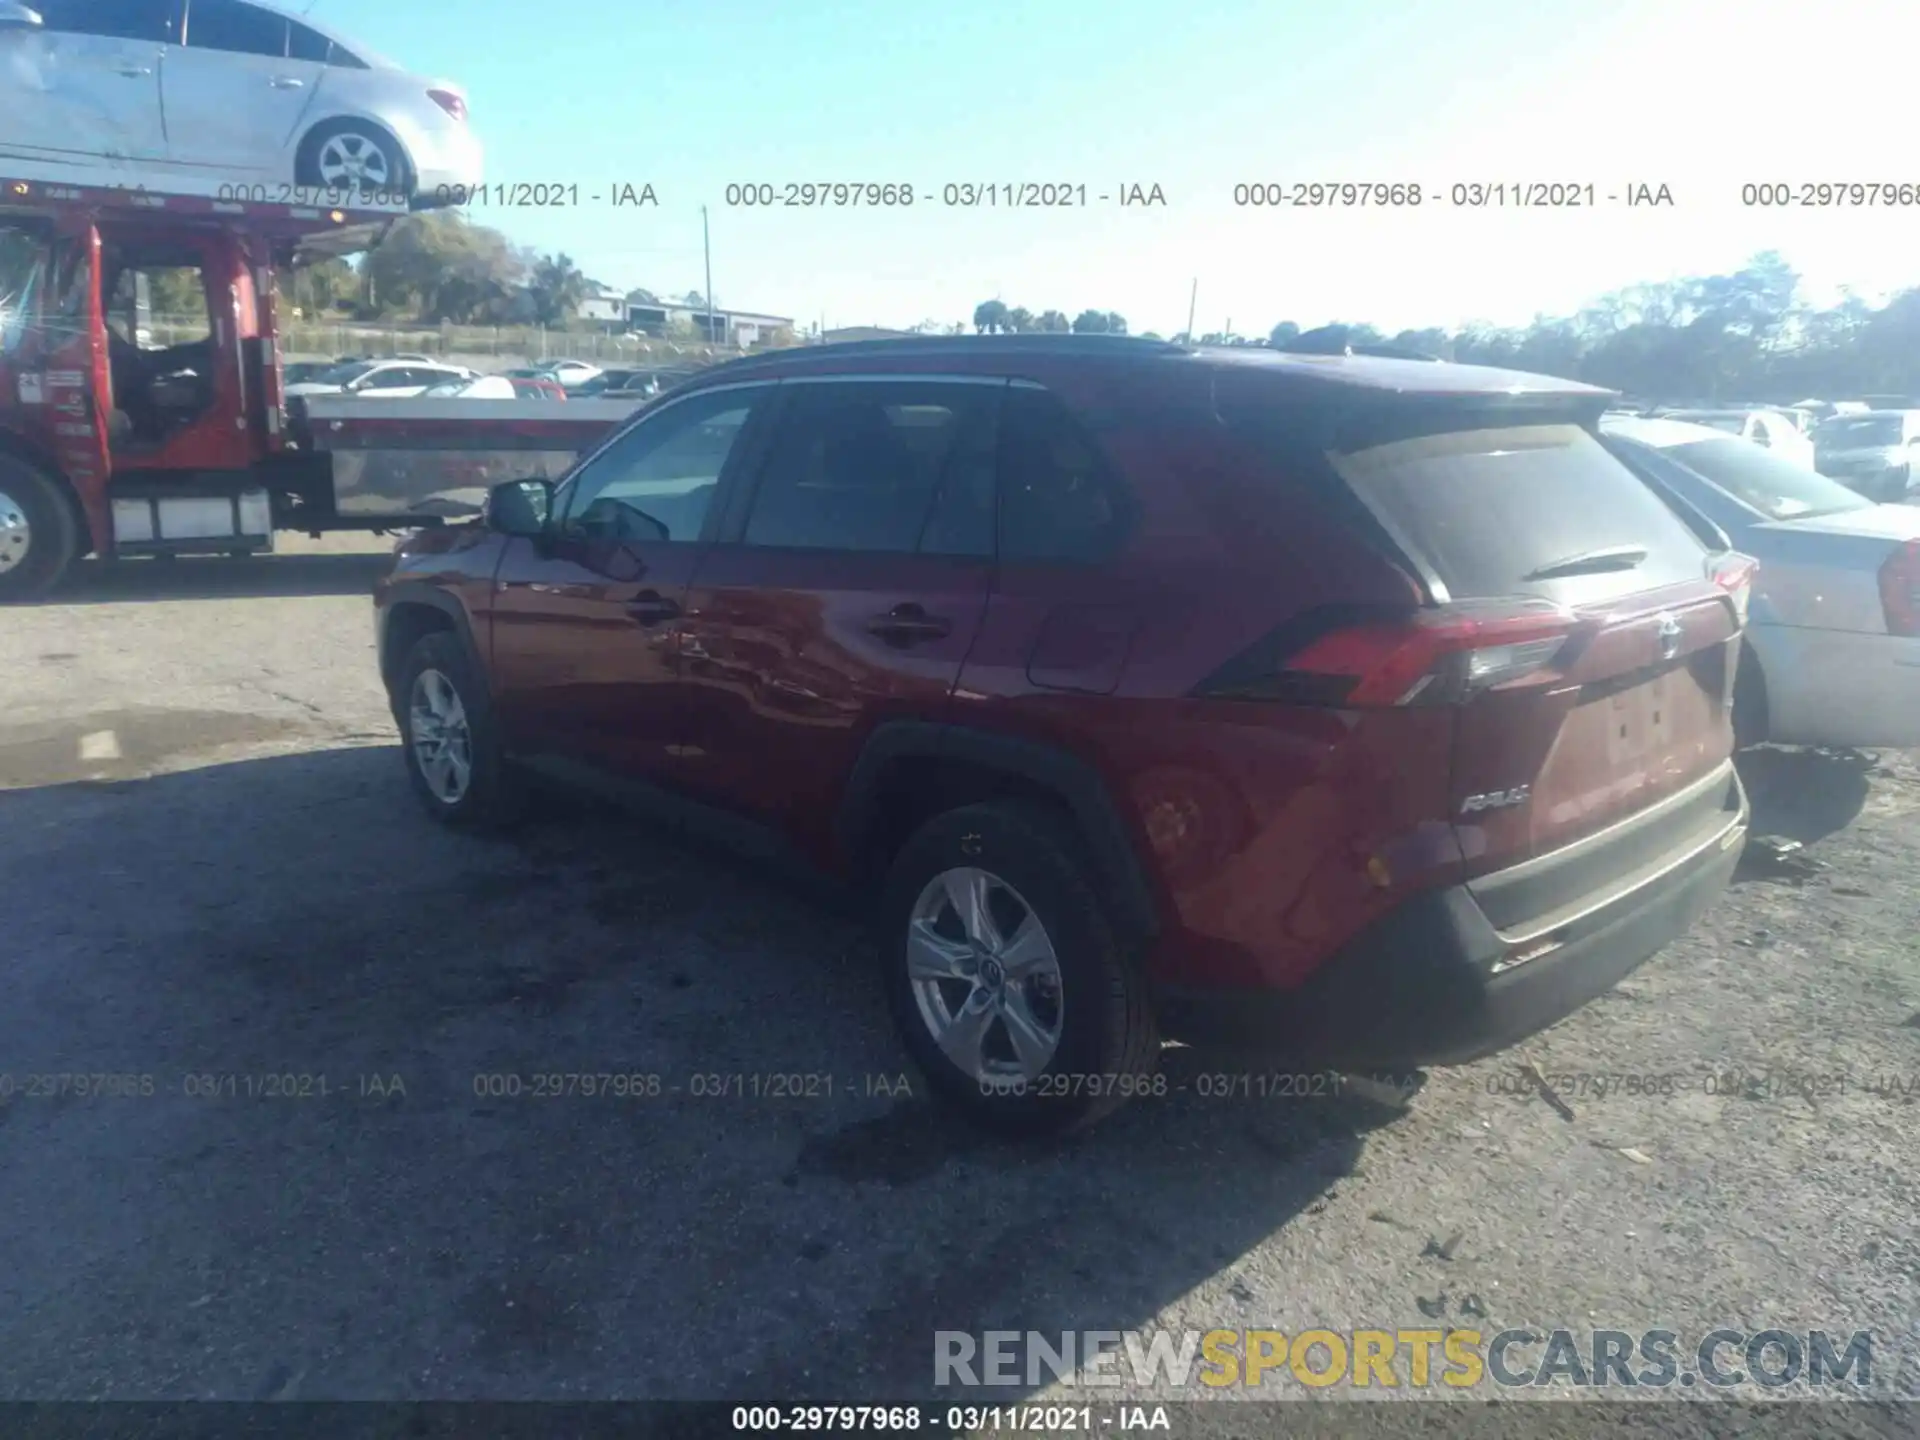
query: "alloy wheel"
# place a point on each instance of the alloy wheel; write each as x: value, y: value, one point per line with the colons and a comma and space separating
x: 354, y: 161
x: 441, y: 736
x: 985, y: 976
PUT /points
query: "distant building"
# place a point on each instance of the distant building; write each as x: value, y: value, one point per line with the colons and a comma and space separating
x: 603, y: 306
x: 739, y: 328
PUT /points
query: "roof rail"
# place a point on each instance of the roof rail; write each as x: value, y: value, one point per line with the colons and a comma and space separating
x: 1049, y: 343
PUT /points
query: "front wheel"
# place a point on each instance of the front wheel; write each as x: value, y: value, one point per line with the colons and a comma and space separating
x: 39, y: 537
x: 1014, y: 990
x: 448, y: 737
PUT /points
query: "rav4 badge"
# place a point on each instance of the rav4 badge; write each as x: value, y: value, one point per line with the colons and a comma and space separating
x: 1496, y: 799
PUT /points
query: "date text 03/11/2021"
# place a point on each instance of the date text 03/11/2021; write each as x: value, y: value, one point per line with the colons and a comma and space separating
x: 957, y: 1419
x: 1460, y: 195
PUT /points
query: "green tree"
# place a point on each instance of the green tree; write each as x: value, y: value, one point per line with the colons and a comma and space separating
x: 441, y: 266
x: 990, y: 317
x: 556, y: 289
x: 1091, y: 322
x: 1020, y: 320
x: 1053, y: 322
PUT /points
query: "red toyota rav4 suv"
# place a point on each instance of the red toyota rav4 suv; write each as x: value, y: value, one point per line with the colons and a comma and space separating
x: 1363, y: 711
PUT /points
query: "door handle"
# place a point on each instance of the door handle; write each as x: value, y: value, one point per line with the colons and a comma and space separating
x: 287, y: 82
x: 650, y: 607
x: 908, y: 623
x: 134, y: 72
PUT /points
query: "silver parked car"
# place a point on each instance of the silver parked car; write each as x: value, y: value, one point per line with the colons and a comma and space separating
x: 1871, y: 451
x: 1833, y: 634
x: 381, y: 379
x: 227, y: 87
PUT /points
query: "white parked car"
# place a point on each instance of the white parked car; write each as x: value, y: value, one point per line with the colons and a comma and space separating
x: 481, y: 387
x: 381, y: 379
x: 1833, y: 637
x: 1769, y: 429
x: 226, y: 87
x: 1872, y: 451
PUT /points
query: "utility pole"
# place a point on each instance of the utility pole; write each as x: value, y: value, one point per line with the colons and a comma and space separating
x: 706, y: 249
x: 1193, y: 298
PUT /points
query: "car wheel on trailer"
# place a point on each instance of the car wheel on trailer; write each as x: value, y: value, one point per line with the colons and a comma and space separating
x: 448, y: 738
x: 1014, y: 990
x: 39, y: 534
x: 354, y: 155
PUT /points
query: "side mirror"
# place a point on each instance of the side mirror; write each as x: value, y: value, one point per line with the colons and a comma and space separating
x: 14, y: 16
x: 520, y: 507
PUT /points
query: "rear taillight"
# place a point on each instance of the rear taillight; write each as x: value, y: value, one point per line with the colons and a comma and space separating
x: 1733, y: 573
x: 1900, y: 589
x: 451, y: 101
x: 1434, y: 657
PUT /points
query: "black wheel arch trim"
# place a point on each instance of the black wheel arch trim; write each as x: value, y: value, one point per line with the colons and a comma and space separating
x: 1081, y: 787
x: 418, y: 592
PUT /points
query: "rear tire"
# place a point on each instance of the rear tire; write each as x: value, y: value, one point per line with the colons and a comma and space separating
x: 1020, y: 1041
x: 39, y: 535
x: 354, y: 155
x: 449, y: 741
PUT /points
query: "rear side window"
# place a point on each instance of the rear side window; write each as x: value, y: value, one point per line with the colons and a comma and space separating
x: 1521, y: 509
x: 859, y: 465
x: 236, y: 27
x: 1059, y: 501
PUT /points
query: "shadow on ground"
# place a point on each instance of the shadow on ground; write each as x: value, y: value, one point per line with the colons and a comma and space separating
x: 765, y: 1209
x: 1805, y: 795
x: 102, y: 582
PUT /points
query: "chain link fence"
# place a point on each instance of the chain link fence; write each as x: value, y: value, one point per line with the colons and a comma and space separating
x: 480, y: 346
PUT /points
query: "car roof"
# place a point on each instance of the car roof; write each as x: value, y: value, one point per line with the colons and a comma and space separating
x: 1355, y: 372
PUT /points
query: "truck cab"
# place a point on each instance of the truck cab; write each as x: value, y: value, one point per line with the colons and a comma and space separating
x: 141, y: 409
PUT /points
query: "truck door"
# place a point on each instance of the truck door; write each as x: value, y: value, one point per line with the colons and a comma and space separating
x: 176, y: 307
x: 70, y: 375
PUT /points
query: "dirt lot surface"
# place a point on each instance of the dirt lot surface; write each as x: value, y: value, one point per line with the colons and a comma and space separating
x: 213, y: 874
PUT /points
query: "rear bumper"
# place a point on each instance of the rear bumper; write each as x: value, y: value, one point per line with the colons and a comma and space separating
x: 1422, y: 985
x: 1841, y: 688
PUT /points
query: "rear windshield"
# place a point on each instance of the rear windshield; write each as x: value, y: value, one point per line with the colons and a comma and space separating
x: 1851, y: 431
x: 1776, y: 487
x: 1529, y: 509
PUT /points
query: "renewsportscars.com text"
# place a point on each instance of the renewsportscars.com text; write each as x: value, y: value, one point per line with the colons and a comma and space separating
x: 1393, y: 1359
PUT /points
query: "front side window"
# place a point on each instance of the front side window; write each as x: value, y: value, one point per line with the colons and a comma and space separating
x: 858, y: 466
x: 23, y: 277
x: 150, y: 20
x: 657, y: 481
x: 173, y: 310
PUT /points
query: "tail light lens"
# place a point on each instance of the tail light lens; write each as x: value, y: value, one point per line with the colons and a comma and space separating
x: 451, y: 101
x: 1900, y: 589
x: 1434, y: 657
x: 1733, y: 573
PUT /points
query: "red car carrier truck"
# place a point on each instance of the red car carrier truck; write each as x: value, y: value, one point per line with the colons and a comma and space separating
x: 114, y: 446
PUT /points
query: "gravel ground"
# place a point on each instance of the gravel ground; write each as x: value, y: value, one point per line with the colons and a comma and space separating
x: 237, y: 885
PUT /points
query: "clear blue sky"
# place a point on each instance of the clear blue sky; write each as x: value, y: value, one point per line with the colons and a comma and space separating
x: 1195, y: 96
